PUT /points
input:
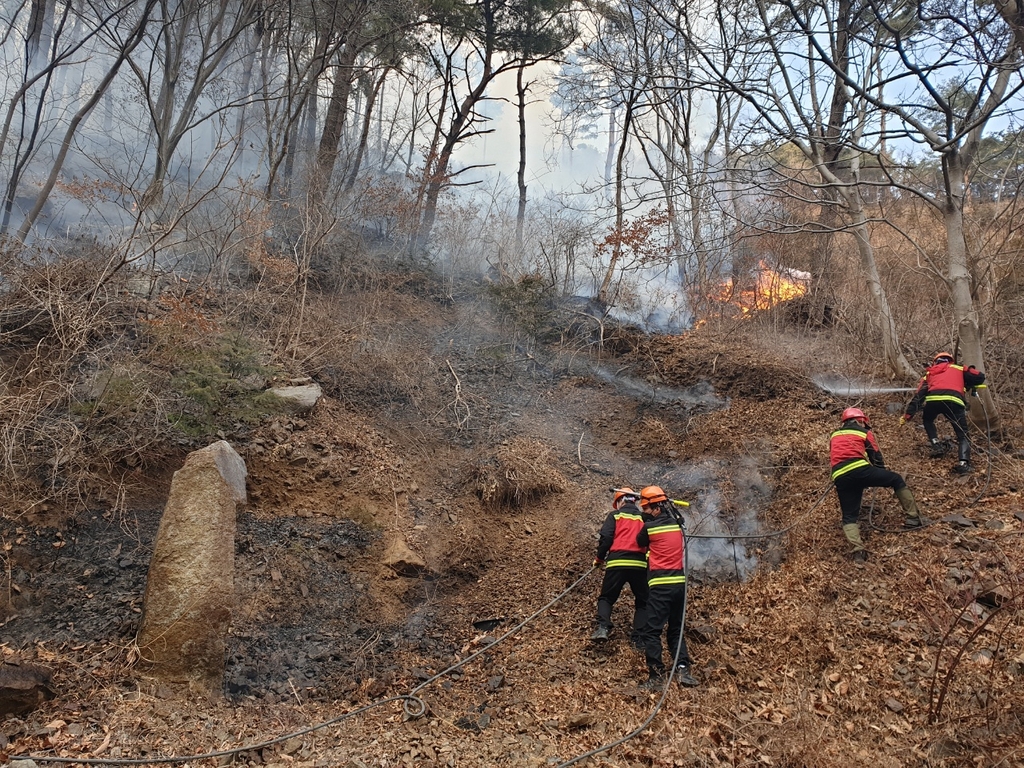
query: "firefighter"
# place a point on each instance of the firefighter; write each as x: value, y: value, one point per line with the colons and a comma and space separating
x: 943, y: 391
x: 625, y: 562
x: 857, y: 464
x: 662, y: 536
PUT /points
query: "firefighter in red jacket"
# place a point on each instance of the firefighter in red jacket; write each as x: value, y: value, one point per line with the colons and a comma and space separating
x: 662, y: 535
x: 943, y: 391
x: 625, y: 562
x: 857, y: 464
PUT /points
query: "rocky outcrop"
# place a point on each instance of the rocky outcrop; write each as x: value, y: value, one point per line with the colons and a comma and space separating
x: 190, y: 586
x: 23, y: 687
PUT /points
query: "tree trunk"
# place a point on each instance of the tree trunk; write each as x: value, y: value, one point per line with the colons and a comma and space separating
x: 620, y: 213
x: 39, y: 34
x: 891, y: 352
x: 364, y: 134
x: 334, y: 122
x: 521, y: 89
x: 248, y: 64
x: 965, y: 313
x: 610, y: 156
x: 438, y: 179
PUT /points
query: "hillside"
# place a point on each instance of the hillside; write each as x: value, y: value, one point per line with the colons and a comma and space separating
x: 491, y: 454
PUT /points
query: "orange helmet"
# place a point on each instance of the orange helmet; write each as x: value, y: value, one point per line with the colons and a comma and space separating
x: 652, y: 494
x: 623, y: 495
x: 946, y: 356
x: 854, y: 413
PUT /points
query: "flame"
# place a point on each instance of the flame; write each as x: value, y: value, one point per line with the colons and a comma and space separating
x: 771, y: 287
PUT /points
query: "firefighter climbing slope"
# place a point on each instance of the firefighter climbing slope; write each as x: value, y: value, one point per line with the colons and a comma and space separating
x: 943, y: 391
x: 625, y: 562
x: 857, y: 464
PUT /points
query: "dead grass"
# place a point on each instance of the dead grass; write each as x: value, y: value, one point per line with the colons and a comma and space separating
x: 521, y: 471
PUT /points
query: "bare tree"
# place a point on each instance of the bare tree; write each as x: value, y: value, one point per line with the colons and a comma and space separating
x: 127, y: 44
x: 797, y: 100
x: 190, y: 50
x: 962, y: 63
x: 474, y: 46
x: 99, y: 36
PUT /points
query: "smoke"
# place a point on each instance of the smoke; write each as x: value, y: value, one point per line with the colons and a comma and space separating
x: 726, y: 496
x: 654, y: 300
x: 701, y: 396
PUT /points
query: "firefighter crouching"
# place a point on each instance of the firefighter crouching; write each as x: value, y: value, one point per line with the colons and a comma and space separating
x: 625, y: 562
x: 857, y: 464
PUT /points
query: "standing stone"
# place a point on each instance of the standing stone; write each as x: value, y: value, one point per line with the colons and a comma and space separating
x: 190, y: 586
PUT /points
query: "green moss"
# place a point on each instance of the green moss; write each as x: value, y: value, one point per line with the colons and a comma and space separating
x: 218, y: 384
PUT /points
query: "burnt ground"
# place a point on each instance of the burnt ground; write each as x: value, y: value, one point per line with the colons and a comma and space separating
x: 493, y: 461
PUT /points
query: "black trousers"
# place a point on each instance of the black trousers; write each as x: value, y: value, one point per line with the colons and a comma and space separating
x: 615, y: 579
x: 957, y: 415
x: 665, y: 604
x: 850, y: 488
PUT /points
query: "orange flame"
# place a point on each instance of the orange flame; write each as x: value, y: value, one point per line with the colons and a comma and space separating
x: 771, y: 287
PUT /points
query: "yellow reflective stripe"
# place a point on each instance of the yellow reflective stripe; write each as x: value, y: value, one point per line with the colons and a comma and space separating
x: 943, y: 399
x: 855, y: 465
x: 627, y: 516
x: 626, y: 563
x: 981, y: 386
x: 858, y: 432
x: 666, y: 580
x: 662, y: 529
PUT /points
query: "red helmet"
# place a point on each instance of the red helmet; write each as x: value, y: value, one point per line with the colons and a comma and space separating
x: 943, y: 356
x: 652, y: 494
x: 623, y: 495
x: 854, y: 413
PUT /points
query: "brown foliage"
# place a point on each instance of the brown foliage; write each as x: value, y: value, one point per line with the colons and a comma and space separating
x: 521, y: 471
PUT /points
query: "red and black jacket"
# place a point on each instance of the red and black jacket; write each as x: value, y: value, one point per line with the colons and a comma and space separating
x: 945, y: 382
x: 616, y: 544
x: 666, y: 556
x: 853, y: 446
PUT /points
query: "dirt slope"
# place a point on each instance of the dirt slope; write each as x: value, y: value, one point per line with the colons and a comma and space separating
x: 493, y: 461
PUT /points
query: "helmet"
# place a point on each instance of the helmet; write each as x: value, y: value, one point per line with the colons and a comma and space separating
x: 943, y: 356
x: 854, y: 413
x: 652, y: 494
x: 623, y: 495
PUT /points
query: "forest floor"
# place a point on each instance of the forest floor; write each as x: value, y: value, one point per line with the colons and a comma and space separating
x: 805, y: 658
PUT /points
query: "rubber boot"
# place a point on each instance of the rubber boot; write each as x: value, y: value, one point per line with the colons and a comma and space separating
x: 852, y: 533
x: 683, y: 676
x: 601, y: 633
x: 963, y: 466
x: 655, y: 679
x: 938, y: 448
x: 910, y: 508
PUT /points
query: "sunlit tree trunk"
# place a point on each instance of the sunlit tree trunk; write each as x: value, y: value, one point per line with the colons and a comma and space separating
x: 964, y: 308
x: 521, y: 89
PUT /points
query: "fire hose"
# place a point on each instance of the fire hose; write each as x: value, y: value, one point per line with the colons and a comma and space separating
x: 413, y: 705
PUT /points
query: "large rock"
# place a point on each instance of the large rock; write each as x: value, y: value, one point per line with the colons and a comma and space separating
x: 190, y: 587
x: 299, y: 398
x: 23, y: 687
x: 402, y: 560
